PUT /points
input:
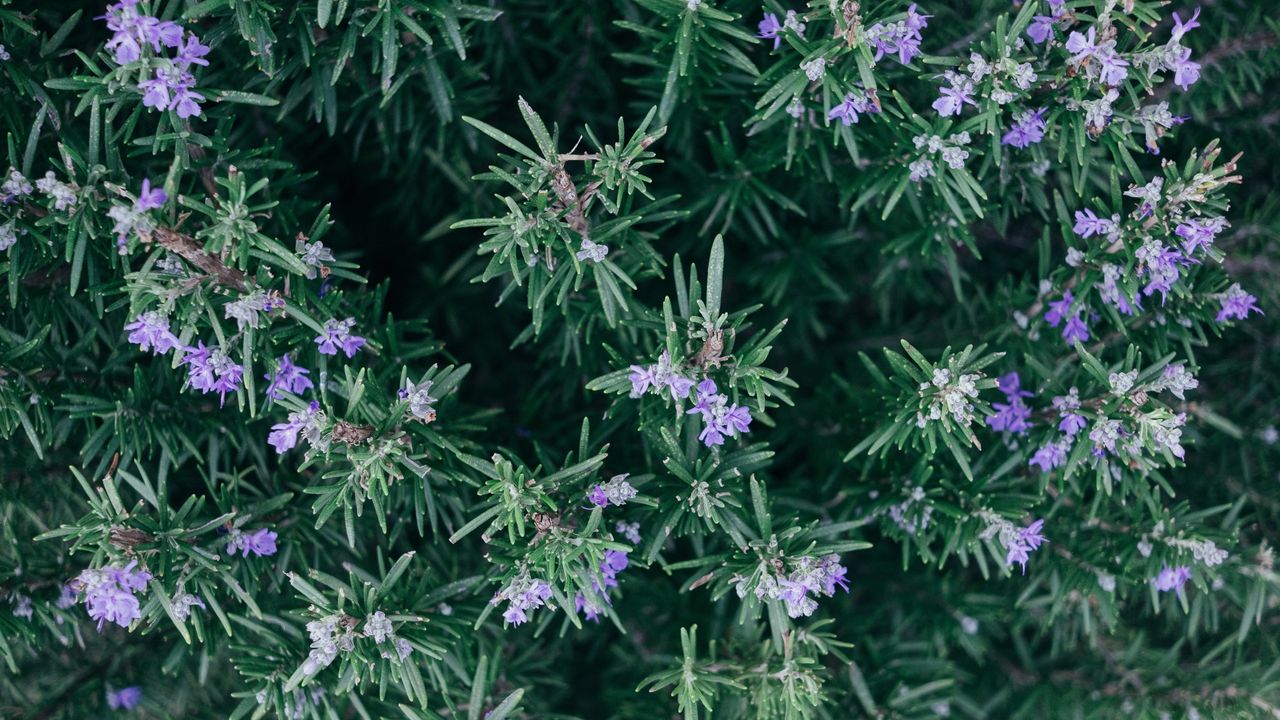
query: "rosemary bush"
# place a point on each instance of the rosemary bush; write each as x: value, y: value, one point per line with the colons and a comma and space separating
x: 637, y: 359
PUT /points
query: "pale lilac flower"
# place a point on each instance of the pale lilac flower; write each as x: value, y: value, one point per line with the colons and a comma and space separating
x: 337, y: 334
x: 848, y: 111
x: 1237, y: 304
x: 592, y: 251
x: 720, y: 419
x: 150, y: 332
x: 1185, y: 71
x: 63, y: 196
x: 617, y: 491
x: 125, y: 698
x: 1028, y: 129
x: 1172, y: 579
x: 14, y: 187
x: 212, y: 370
x: 182, y: 604
x: 420, y: 400
x: 260, y: 542
x: 378, y: 627
x: 629, y: 530
x: 8, y: 236
x: 4, y: 54
x: 314, y: 255
x: 22, y: 606
x: 287, y: 377
x: 1066, y: 405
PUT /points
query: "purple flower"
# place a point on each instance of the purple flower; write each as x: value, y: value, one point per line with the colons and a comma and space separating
x: 1080, y: 46
x: 522, y: 594
x: 1058, y: 309
x: 124, y: 698
x: 771, y: 29
x: 149, y: 198
x: 109, y: 593
x: 1024, y: 542
x: 1185, y: 71
x: 212, y: 370
x: 1028, y: 129
x: 1072, y: 423
x: 337, y: 333
x: 952, y: 100
x: 1172, y: 579
x: 1049, y: 457
x: 659, y: 376
x: 1197, y: 234
x: 1089, y: 224
x: 308, y: 423
x: 260, y: 542
x: 1180, y: 28
x: 1075, y: 330
x: 1013, y: 416
x: 1237, y: 304
x: 287, y: 377
x: 615, y: 492
x: 902, y: 38
x: 1041, y: 27
x: 847, y: 111
x: 150, y: 331
x: 721, y: 419
x: 191, y: 52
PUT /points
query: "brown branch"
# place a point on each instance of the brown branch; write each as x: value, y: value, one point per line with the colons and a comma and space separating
x: 188, y: 249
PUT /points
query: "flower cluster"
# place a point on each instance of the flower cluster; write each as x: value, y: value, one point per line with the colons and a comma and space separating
x: 1018, y: 542
x: 1173, y: 57
x: 246, y: 311
x: 952, y: 396
x: 329, y: 636
x: 901, y: 38
x: 1013, y: 415
x: 810, y: 577
x: 420, y: 400
x: 658, y: 377
x: 1070, y: 423
x: 1076, y: 327
x: 1204, y: 551
x: 617, y: 491
x: 260, y: 542
x: 150, y: 332
x: 315, y: 256
x: 337, y: 335
x: 133, y: 218
x: 212, y: 370
x: 182, y: 604
x: 591, y: 604
x: 309, y: 424
x: 110, y: 593
x: 859, y: 102
x: 522, y: 595
x: 171, y: 86
x: 378, y: 627
x: 720, y: 419
x: 62, y: 194
x: 1027, y: 129
x: 593, y: 251
x: 951, y: 150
